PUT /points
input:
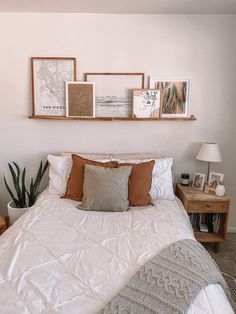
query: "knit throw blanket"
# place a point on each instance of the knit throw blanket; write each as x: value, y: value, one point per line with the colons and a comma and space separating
x: 169, y: 282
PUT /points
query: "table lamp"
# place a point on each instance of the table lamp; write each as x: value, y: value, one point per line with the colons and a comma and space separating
x: 209, y: 152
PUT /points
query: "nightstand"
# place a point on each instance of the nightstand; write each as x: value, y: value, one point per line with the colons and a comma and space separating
x: 196, y: 201
x: 2, y: 225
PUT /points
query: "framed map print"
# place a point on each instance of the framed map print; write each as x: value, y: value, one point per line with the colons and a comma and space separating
x: 49, y: 75
x: 114, y: 92
x: 80, y: 99
x: 174, y: 96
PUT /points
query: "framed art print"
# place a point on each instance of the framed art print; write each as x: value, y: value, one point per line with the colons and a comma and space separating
x: 174, y: 96
x: 114, y: 92
x: 146, y: 103
x: 80, y: 99
x: 214, y: 179
x: 49, y: 75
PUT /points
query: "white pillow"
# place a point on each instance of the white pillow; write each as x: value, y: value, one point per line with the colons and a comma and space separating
x: 88, y: 155
x: 134, y: 156
x: 162, y: 184
x: 59, y: 171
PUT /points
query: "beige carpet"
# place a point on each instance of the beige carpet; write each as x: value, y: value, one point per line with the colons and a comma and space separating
x: 226, y: 260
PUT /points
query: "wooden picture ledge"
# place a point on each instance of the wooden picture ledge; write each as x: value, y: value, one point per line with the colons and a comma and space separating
x: 191, y: 118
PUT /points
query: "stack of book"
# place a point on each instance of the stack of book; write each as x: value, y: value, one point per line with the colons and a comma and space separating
x: 206, y: 222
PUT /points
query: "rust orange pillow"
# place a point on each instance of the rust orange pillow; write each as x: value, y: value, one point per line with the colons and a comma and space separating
x: 74, y: 190
x: 140, y: 181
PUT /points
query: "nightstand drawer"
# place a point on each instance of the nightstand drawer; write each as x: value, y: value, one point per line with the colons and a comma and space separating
x: 208, y: 207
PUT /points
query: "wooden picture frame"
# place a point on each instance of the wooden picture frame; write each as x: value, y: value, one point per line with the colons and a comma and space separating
x: 174, y: 96
x: 80, y: 99
x: 114, y: 92
x: 48, y: 84
x: 146, y: 103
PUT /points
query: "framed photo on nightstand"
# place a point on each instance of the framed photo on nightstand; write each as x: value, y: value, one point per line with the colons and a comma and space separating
x: 214, y: 179
x: 198, y: 181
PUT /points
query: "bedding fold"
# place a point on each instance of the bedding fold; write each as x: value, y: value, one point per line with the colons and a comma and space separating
x: 59, y: 259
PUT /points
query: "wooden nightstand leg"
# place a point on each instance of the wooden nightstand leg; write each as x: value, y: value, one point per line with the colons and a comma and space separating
x: 216, y: 247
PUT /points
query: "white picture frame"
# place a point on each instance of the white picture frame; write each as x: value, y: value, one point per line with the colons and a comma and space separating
x: 146, y: 103
x: 80, y: 99
x: 214, y: 179
x: 198, y: 181
x: 174, y: 95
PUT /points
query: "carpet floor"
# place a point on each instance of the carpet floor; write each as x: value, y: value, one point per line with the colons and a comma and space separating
x: 226, y: 260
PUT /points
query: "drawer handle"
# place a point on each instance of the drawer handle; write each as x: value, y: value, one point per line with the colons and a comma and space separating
x: 207, y: 205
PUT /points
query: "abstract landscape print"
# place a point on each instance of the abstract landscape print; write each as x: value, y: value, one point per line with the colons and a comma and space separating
x: 114, y: 92
x: 174, y: 96
x: 146, y: 103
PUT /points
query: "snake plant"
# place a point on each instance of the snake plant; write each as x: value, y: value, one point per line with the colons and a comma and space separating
x: 24, y: 197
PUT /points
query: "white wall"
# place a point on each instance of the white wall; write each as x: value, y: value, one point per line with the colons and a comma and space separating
x: 201, y: 47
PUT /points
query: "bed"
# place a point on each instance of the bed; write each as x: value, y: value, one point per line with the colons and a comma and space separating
x: 59, y: 259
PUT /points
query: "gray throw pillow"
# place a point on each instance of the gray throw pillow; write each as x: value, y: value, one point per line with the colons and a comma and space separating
x: 105, y: 189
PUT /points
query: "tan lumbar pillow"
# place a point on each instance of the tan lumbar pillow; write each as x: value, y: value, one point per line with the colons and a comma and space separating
x: 74, y: 190
x: 105, y: 189
x: 140, y: 182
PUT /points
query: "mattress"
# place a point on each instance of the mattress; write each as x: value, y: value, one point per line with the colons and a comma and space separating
x: 59, y: 259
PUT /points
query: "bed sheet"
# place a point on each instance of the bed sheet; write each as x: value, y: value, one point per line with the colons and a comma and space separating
x: 59, y: 259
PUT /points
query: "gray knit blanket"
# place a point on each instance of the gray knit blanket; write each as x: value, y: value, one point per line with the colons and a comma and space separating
x: 169, y: 282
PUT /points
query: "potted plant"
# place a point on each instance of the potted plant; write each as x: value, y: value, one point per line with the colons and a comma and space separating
x: 23, y: 198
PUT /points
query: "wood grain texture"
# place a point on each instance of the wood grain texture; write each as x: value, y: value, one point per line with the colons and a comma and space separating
x: 208, y: 237
x: 192, y: 118
x: 196, y: 201
x: 195, y: 195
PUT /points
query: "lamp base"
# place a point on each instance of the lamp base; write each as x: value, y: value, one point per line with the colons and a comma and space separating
x: 208, y: 171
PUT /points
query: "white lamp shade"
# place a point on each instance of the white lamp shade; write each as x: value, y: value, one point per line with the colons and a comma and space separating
x: 209, y: 152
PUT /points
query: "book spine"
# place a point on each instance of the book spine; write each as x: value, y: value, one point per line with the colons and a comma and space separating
x: 212, y: 221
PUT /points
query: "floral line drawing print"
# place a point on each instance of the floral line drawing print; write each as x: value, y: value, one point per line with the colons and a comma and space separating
x: 146, y: 103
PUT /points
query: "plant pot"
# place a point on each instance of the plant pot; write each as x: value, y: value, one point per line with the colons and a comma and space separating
x: 14, y: 213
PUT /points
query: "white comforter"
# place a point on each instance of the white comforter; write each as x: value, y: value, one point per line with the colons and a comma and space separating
x: 58, y: 259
